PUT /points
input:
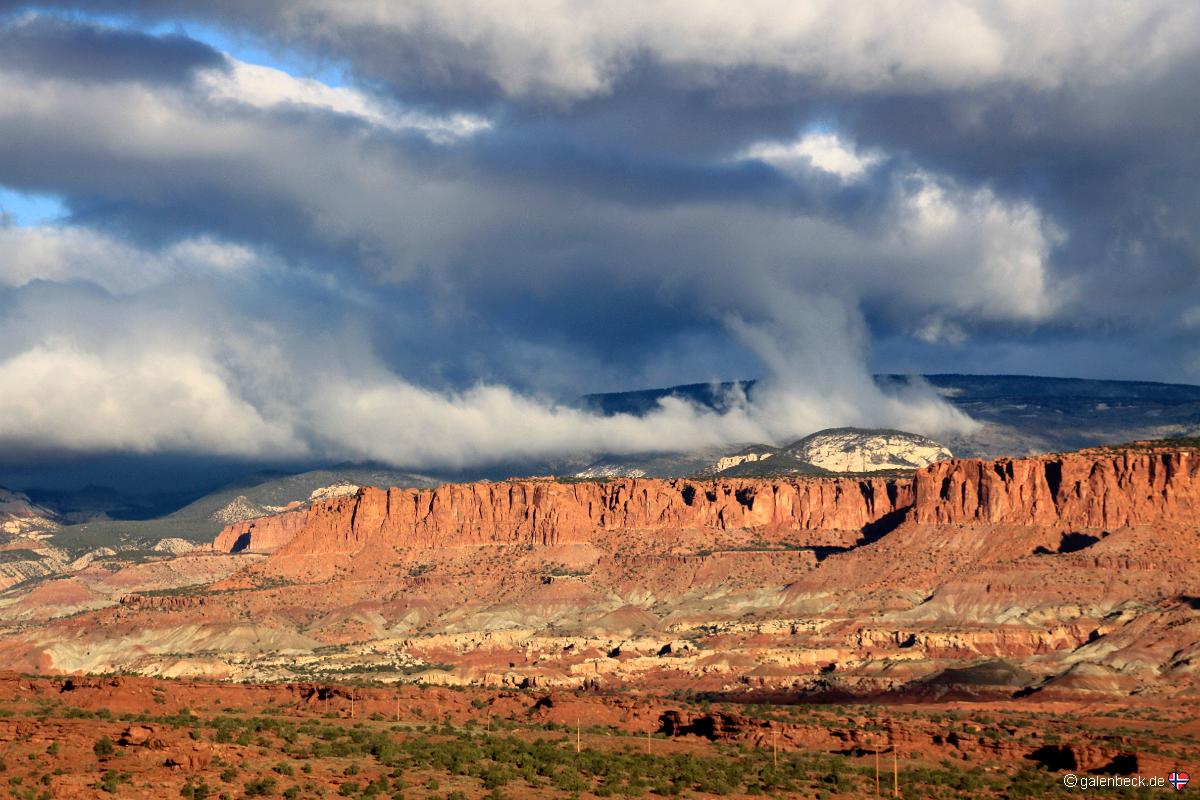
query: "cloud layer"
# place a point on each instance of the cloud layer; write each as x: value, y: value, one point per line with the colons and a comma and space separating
x: 498, y: 211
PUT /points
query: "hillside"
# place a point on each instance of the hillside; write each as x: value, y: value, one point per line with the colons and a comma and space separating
x: 19, y: 515
x: 201, y: 519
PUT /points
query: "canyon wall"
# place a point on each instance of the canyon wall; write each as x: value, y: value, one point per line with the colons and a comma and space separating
x: 549, y: 512
x: 1083, y: 490
x: 261, y: 534
x: 1086, y: 490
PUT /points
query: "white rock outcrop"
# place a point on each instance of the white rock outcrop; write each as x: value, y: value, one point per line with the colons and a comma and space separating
x: 868, y: 450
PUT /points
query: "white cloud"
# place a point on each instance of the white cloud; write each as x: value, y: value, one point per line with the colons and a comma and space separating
x: 1001, y: 249
x: 170, y: 370
x: 824, y: 151
x: 265, y: 87
x: 573, y: 48
x: 68, y: 253
x: 139, y: 398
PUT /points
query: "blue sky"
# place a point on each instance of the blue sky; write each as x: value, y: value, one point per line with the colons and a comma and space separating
x: 30, y: 209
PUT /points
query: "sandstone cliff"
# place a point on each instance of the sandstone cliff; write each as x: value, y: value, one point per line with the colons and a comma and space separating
x: 262, y: 534
x: 1084, y: 490
x: 549, y: 513
x: 1087, y: 490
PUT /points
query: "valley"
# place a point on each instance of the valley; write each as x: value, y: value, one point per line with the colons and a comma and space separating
x: 152, y: 738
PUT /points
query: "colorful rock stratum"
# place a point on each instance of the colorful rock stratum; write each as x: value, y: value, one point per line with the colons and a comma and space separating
x: 1054, y: 576
x: 1019, y: 615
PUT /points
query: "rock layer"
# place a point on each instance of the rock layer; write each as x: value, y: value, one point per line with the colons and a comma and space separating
x: 548, y: 513
x: 262, y: 534
x: 1087, y: 490
x: 1084, y: 490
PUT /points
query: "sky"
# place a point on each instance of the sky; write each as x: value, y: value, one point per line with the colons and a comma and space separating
x: 416, y: 232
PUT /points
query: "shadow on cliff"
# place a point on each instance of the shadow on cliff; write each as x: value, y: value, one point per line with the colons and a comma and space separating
x: 1071, y: 542
x: 870, y: 533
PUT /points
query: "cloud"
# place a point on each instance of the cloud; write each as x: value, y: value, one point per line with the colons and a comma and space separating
x: 824, y: 151
x: 1004, y: 248
x: 479, y: 244
x: 43, y: 46
x: 572, y: 50
x: 267, y: 88
x: 66, y: 253
x: 156, y: 399
x: 179, y: 369
x: 500, y: 211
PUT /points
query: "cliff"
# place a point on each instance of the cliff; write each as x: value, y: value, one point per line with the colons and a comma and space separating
x: 548, y: 513
x: 1081, y: 490
x: 262, y: 534
x: 1088, y: 490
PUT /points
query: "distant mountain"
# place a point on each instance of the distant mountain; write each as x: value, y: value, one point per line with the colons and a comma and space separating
x: 867, y: 450
x: 828, y: 452
x: 255, y: 495
x: 102, y: 502
x: 20, y: 516
x: 1021, y: 414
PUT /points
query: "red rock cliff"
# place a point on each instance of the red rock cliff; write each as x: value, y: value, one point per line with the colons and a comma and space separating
x: 1087, y: 490
x: 546, y: 512
x: 262, y: 534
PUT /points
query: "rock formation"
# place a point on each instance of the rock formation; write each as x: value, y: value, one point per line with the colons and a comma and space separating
x: 549, y: 513
x: 1094, y: 489
x: 20, y: 516
x: 1084, y: 490
x: 1067, y: 575
x: 262, y: 534
x: 866, y: 450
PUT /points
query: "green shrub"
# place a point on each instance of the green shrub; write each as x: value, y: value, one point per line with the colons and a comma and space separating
x: 260, y: 787
x: 195, y: 791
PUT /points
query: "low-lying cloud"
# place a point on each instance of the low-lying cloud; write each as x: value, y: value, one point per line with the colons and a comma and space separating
x: 101, y: 372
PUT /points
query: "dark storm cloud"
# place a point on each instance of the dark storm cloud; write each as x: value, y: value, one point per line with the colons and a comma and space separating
x: 588, y: 198
x: 50, y: 47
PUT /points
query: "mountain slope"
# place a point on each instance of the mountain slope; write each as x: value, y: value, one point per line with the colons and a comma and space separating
x: 19, y: 515
x: 202, y: 519
x: 867, y: 450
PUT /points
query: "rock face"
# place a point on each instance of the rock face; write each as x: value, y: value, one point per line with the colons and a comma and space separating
x: 336, y: 489
x: 864, y: 450
x: 238, y: 509
x: 546, y: 512
x: 1087, y: 490
x: 261, y: 535
x: 748, y: 455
